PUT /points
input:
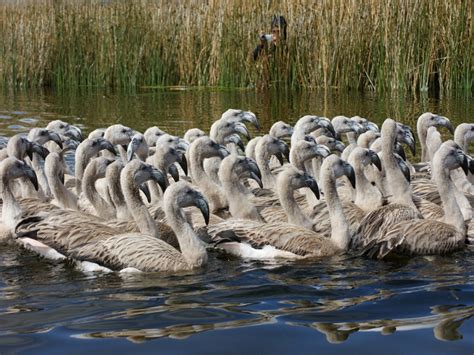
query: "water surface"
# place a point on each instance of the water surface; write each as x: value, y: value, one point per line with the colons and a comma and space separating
x: 418, y: 305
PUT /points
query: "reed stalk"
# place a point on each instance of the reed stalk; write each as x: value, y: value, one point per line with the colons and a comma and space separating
x: 398, y: 45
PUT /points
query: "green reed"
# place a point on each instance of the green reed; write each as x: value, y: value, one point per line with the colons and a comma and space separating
x: 403, y: 45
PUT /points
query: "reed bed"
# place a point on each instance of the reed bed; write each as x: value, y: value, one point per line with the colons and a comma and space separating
x: 397, y: 45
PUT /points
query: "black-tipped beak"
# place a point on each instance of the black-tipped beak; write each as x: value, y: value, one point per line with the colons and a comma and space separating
x: 463, y: 162
x: 350, y: 174
x: 183, y: 163
x: 29, y: 150
x: 40, y: 150
x: 235, y: 138
x: 322, y: 151
x: 182, y: 145
x: 339, y: 147
x: 132, y: 147
x: 328, y: 125
x: 56, y: 139
x: 223, y: 152
x: 159, y: 177
x: 284, y: 150
x: 74, y: 133
x: 31, y: 175
x: 471, y: 166
x: 202, y: 204
x: 173, y: 170
x: 399, y: 150
x: 146, y: 191
x: 253, y: 120
x: 105, y: 144
x: 240, y: 128
x: 253, y: 167
x: 374, y: 158
x: 446, y: 123
x: 258, y: 179
x: 370, y: 126
x: 405, y: 170
x: 279, y: 156
x: 410, y: 141
x: 313, y: 185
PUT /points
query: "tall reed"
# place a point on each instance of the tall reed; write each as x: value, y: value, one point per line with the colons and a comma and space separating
x: 398, y: 45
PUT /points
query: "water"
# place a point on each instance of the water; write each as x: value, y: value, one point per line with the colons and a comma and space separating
x: 418, y: 305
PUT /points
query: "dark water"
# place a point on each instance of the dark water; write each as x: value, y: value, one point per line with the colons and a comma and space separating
x: 418, y: 305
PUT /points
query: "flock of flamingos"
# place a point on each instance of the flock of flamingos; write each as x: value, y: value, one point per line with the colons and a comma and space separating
x: 155, y: 202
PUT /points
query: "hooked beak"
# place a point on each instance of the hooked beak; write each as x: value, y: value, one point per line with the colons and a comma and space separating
x: 173, y: 170
x: 254, y: 171
x: 31, y: 175
x: 399, y: 150
x: 404, y: 168
x: 240, y: 128
x: 444, y: 121
x: 131, y: 149
x: 40, y: 150
x: 284, y: 150
x: 252, y: 118
x: 328, y: 125
x: 235, y: 138
x: 322, y: 150
x: 159, y: 177
x: 183, y: 163
x: 374, y: 158
x: 312, y: 184
x: 279, y: 156
x: 370, y: 126
x: 349, y: 171
x: 223, y: 152
x: 356, y: 127
x: 201, y: 203
x: 56, y: 139
x: 254, y: 176
x: 105, y: 144
x: 74, y: 133
x: 463, y: 161
x: 253, y: 167
x: 182, y: 145
x: 339, y: 146
x: 144, y: 188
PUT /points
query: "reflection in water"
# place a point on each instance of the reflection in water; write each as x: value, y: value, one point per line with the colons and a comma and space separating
x: 347, y: 300
x: 445, y: 323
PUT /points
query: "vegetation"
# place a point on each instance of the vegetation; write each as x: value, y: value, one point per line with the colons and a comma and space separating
x: 399, y: 45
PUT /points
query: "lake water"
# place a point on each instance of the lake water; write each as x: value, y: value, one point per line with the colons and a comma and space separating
x: 418, y: 305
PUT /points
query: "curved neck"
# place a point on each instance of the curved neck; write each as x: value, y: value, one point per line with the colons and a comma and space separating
x: 82, y: 159
x: 263, y: 159
x: 298, y: 134
x: 395, y: 184
x: 340, y: 234
x: 446, y: 188
x: 239, y: 205
x: 116, y: 196
x: 102, y: 208
x: 42, y: 181
x: 199, y: 175
x: 191, y: 247
x: 367, y: 196
x: 421, y: 130
x: 53, y: 169
x: 11, y: 210
x: 293, y: 211
x: 135, y: 204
